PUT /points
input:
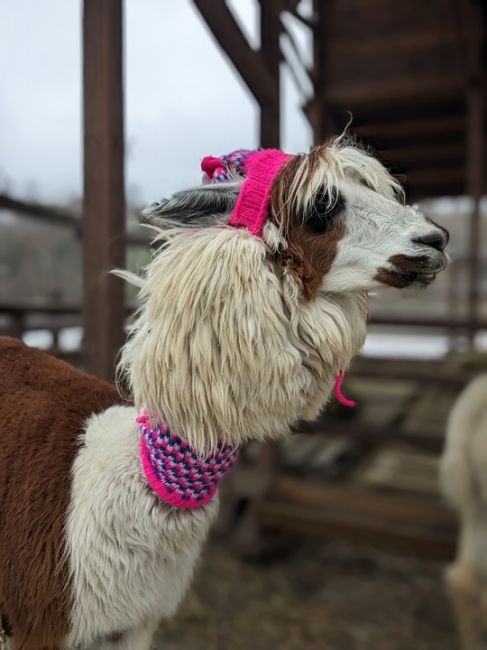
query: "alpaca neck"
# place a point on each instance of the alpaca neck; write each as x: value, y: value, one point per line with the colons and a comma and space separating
x: 178, y: 474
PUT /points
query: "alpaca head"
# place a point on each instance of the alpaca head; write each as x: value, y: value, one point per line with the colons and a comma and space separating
x: 347, y: 228
x: 241, y: 336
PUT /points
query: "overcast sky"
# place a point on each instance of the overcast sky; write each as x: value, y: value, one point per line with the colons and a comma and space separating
x: 183, y: 98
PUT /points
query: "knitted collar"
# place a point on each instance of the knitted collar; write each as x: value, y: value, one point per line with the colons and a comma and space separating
x: 175, y: 472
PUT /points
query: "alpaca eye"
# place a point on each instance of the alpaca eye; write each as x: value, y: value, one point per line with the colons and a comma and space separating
x: 321, y: 215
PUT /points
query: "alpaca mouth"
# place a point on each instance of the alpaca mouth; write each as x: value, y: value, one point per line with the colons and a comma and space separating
x: 412, y: 272
x: 423, y: 280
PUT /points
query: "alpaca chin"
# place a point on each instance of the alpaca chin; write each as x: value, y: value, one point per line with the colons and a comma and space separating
x: 224, y: 350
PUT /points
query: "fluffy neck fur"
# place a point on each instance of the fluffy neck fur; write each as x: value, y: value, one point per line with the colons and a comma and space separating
x: 225, y: 351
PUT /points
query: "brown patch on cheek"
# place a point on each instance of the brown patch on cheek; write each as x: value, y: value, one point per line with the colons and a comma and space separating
x: 44, y: 405
x: 309, y: 255
x: 406, y: 268
x: 295, y: 262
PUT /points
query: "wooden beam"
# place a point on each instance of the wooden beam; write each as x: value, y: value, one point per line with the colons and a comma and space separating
x: 310, y: 22
x: 370, y: 20
x: 405, y: 524
x: 270, y: 51
x: 47, y: 214
x: 298, y: 82
x: 318, y: 109
x: 422, y: 440
x: 104, y: 196
x: 40, y: 212
x: 427, y: 323
x: 434, y: 176
x: 248, y: 63
x: 417, y: 194
x: 402, y: 44
x: 393, y: 91
x: 425, y: 154
x: 298, y: 55
x: 408, y: 128
x: 476, y: 163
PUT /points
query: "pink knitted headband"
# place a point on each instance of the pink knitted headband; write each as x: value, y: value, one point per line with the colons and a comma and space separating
x: 259, y: 168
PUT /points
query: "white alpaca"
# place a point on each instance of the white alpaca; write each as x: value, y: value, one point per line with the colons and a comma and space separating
x: 238, y: 337
x: 464, y: 483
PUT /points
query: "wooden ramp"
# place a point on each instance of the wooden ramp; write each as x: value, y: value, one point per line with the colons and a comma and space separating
x: 412, y: 525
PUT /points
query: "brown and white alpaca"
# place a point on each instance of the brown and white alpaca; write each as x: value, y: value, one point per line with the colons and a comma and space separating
x: 238, y: 337
x: 463, y: 474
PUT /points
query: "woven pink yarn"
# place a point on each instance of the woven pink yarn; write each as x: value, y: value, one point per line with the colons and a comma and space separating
x: 177, y: 473
x: 252, y: 205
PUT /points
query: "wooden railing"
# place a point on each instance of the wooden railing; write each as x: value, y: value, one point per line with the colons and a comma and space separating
x: 54, y: 317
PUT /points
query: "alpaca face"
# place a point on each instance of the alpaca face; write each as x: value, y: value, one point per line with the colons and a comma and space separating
x: 385, y: 243
x: 347, y: 231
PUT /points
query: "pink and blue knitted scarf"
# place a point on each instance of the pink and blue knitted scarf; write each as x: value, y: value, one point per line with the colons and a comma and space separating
x: 176, y: 473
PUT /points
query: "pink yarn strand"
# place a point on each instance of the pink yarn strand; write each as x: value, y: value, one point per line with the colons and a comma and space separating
x: 349, y: 403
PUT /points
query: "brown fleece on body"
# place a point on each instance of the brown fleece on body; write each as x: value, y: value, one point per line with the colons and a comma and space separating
x: 309, y: 255
x: 44, y: 405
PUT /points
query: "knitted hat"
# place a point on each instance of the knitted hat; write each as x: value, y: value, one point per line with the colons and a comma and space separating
x: 259, y: 168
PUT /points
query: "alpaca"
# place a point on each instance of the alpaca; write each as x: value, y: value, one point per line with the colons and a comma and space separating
x: 254, y: 302
x: 463, y: 478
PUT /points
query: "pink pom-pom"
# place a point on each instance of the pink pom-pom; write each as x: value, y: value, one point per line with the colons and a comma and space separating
x: 210, y: 165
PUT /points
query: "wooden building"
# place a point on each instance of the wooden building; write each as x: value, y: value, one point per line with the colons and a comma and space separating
x: 409, y: 78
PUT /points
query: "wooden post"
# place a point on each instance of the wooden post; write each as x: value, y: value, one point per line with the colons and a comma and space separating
x: 104, y: 196
x: 17, y: 324
x: 270, y: 113
x: 475, y: 150
x: 259, y: 70
x: 323, y: 122
x: 452, y: 295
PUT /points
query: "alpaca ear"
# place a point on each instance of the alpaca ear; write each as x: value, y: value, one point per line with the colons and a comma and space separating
x: 196, y: 207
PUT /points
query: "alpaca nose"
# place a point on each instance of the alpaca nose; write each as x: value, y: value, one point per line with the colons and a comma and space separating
x: 437, y: 239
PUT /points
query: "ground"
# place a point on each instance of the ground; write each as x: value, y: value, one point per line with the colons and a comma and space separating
x: 326, y: 597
